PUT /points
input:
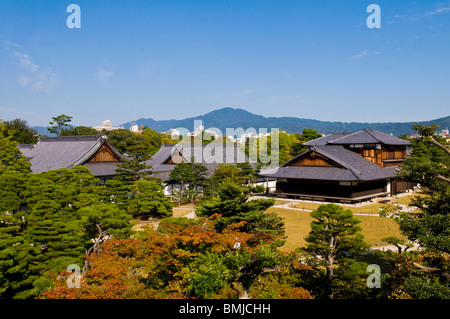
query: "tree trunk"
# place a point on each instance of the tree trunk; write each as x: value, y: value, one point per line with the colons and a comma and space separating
x: 439, y: 145
x: 330, y: 277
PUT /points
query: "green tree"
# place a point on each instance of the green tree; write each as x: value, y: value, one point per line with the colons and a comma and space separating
x: 11, y: 158
x: 18, y: 260
x: 247, y: 172
x: 131, y: 143
x: 184, y: 174
x: 207, y: 275
x: 22, y: 133
x: 79, y: 130
x: 109, y: 216
x: 148, y: 200
x: 227, y: 173
x: 12, y: 185
x: 234, y: 207
x: 334, y: 232
x: 134, y: 168
x: 56, y: 233
x: 153, y: 138
x: 58, y: 124
x: 116, y: 192
x: 309, y: 134
x: 429, y: 165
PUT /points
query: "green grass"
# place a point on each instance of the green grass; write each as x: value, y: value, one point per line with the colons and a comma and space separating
x: 406, y: 200
x: 307, y: 205
x: 181, y: 210
x: 297, y: 226
x: 370, y: 209
x: 376, y: 228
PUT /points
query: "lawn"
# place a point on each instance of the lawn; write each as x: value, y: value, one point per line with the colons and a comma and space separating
x: 297, y: 226
x: 181, y: 210
x: 406, y: 200
x: 178, y: 211
x: 366, y: 209
x: 369, y: 209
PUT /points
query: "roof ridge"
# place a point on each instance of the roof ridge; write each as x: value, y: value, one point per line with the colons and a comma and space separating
x: 345, y: 136
x: 367, y: 131
x: 346, y: 165
x: 89, y: 153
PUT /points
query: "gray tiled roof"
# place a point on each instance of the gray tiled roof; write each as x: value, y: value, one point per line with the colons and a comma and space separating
x: 324, y: 139
x: 368, y: 137
x: 51, y: 153
x: 210, y: 155
x: 350, y: 167
x: 102, y: 169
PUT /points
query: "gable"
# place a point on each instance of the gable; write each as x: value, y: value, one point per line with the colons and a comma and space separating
x: 104, y: 154
x: 174, y: 159
x: 313, y: 159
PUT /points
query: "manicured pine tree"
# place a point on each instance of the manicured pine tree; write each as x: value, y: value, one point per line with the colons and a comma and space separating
x: 334, y: 232
x: 56, y: 233
x: 109, y: 217
x: 148, y: 200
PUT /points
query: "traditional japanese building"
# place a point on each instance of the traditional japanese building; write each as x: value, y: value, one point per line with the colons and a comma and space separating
x: 91, y: 151
x: 208, y: 154
x: 211, y: 155
x: 345, y: 167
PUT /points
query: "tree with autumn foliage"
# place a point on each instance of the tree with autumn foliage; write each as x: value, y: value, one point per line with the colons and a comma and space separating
x: 184, y: 258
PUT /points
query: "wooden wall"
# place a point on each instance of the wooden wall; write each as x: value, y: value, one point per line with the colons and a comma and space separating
x: 104, y: 154
x: 313, y: 159
x: 389, y: 153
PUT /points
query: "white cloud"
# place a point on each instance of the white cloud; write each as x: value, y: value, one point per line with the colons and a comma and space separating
x: 9, y: 44
x: 23, y: 80
x: 25, y: 62
x: 104, y: 75
x: 437, y: 11
x: 360, y: 55
x: 44, y: 81
x: 33, y: 76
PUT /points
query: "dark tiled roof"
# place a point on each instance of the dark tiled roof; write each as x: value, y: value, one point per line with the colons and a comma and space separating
x: 210, y: 155
x: 51, y: 153
x: 324, y: 139
x: 368, y: 137
x: 102, y: 169
x: 350, y: 167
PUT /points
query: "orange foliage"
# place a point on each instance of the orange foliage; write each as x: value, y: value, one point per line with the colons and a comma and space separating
x: 152, y: 264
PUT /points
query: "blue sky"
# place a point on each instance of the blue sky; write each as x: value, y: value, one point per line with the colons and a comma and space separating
x: 175, y: 59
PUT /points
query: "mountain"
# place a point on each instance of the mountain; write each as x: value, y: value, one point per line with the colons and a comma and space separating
x: 235, y: 118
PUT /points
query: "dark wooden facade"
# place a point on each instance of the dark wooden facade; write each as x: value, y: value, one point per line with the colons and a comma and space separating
x: 385, y: 156
x: 331, y: 190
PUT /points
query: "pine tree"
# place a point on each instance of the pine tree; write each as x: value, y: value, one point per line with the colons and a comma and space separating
x: 333, y: 232
x: 11, y: 158
x: 56, y: 233
x: 148, y: 200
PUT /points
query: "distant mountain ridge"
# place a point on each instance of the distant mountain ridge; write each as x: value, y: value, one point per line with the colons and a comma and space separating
x: 238, y: 118
x: 234, y: 118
